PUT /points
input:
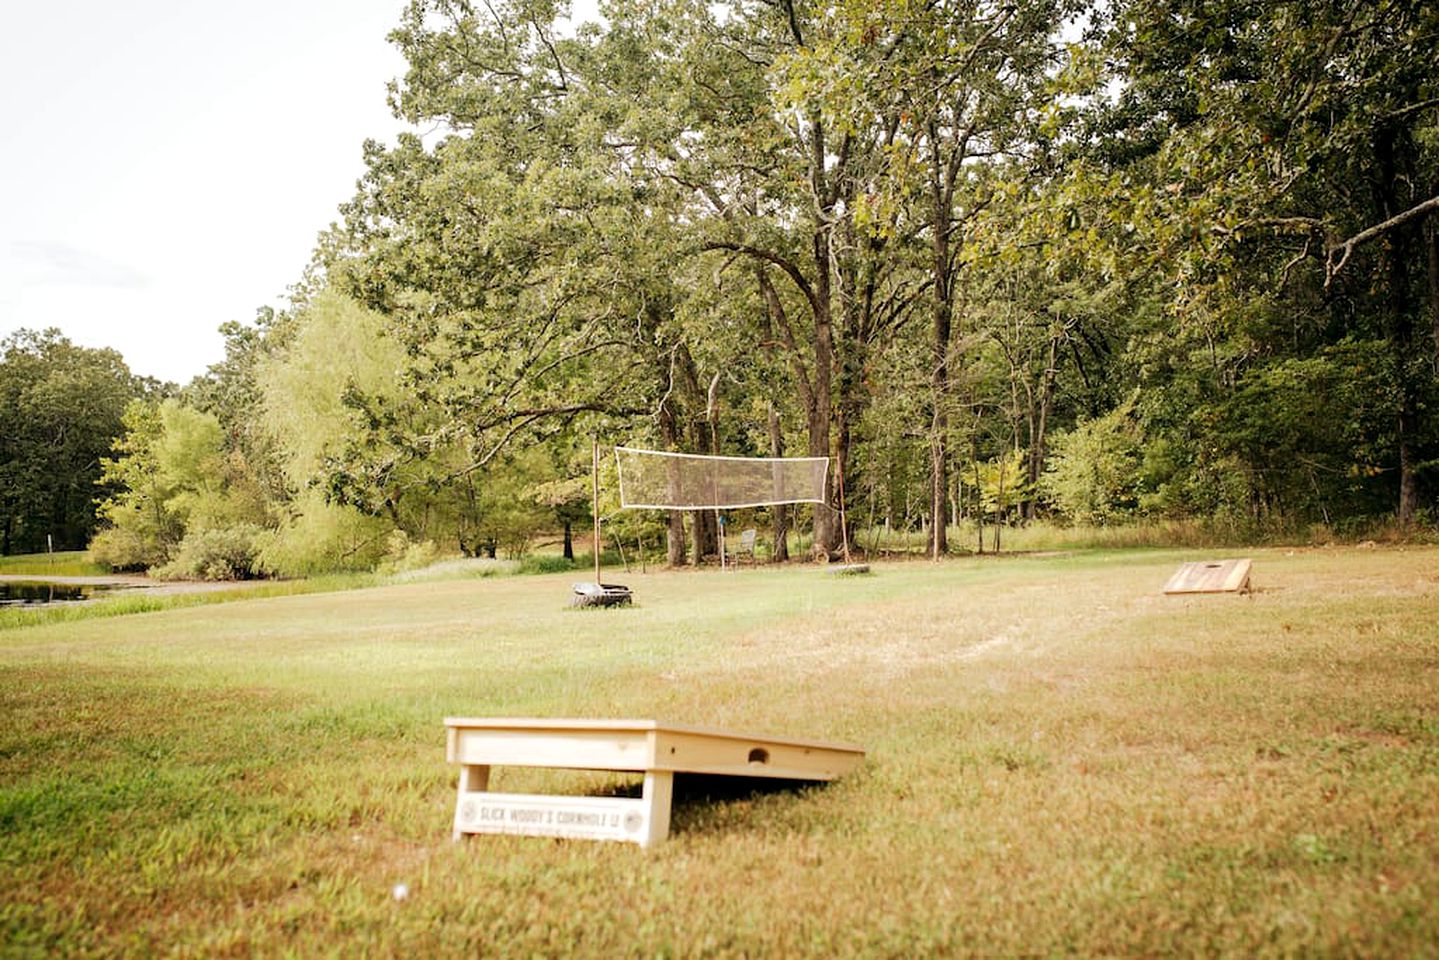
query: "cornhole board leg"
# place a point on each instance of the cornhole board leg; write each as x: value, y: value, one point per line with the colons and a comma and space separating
x: 645, y: 821
x: 658, y: 793
x: 474, y: 778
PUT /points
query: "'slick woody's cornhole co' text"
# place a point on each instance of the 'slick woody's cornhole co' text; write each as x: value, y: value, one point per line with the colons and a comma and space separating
x: 657, y: 750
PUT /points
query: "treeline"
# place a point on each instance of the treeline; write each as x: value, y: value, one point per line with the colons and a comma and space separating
x: 60, y: 409
x: 1000, y: 261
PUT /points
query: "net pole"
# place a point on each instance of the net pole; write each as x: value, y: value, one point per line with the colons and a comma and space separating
x: 595, y: 492
x: 719, y: 522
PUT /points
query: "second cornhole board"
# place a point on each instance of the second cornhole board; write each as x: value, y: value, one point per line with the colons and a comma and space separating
x: 1211, y: 576
x: 658, y: 750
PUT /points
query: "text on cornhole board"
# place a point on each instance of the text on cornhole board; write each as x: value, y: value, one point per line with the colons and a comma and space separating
x: 657, y: 750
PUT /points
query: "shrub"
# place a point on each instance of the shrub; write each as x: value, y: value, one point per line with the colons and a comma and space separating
x: 1094, y: 474
x: 546, y: 563
x: 125, y: 549
x: 323, y: 538
x: 403, y: 555
x: 221, y: 553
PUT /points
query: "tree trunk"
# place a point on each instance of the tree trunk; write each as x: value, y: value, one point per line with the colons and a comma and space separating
x: 1432, y: 241
x: 821, y: 412
x: 706, y: 535
x: 978, y: 497
x: 857, y: 282
x: 1394, y: 153
x: 1039, y: 433
x: 780, y: 511
x: 706, y: 438
x: 942, y: 220
x: 670, y: 437
x: 773, y: 316
x: 569, y: 542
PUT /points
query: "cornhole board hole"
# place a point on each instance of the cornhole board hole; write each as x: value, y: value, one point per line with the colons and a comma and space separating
x: 657, y: 750
x: 601, y: 595
x: 1211, y: 576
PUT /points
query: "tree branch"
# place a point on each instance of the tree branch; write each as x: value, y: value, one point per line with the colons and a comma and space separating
x: 1347, y: 247
x: 788, y: 266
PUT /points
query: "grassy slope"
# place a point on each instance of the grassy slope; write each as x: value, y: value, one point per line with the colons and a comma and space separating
x: 1061, y: 759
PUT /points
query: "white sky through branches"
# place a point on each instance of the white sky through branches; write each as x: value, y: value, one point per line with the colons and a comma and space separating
x: 166, y: 166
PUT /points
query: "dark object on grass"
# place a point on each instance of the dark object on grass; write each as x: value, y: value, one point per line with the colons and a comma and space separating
x: 601, y: 595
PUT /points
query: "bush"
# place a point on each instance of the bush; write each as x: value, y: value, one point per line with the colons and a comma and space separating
x: 323, y: 538
x: 125, y: 549
x: 537, y: 563
x: 221, y: 553
x: 403, y: 555
x: 1094, y: 474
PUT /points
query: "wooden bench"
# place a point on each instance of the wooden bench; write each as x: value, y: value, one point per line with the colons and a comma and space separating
x: 657, y: 750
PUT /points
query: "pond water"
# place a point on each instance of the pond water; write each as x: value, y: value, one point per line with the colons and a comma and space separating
x: 21, y: 592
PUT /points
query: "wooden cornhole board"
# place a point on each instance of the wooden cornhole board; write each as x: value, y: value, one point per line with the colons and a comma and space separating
x: 658, y: 750
x: 1211, y: 576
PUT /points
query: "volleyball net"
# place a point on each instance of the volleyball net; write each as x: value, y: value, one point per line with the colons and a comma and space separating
x: 660, y: 480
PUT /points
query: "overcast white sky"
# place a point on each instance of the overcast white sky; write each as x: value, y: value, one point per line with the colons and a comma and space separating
x: 166, y: 166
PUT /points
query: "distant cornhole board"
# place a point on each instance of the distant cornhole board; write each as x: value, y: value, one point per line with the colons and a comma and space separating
x: 658, y: 750
x: 601, y: 595
x: 1211, y: 576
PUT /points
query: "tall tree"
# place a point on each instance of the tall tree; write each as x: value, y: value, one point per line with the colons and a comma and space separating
x: 1280, y: 165
x: 60, y: 410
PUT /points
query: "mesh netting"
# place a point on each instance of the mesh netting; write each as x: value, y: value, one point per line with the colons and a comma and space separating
x: 685, y: 481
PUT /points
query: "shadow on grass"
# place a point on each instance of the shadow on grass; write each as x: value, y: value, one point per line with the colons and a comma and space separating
x: 713, y: 788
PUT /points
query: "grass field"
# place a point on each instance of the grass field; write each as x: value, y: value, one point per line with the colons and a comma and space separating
x: 1061, y: 760
x: 66, y: 563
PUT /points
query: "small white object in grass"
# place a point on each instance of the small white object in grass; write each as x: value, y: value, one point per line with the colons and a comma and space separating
x: 400, y: 892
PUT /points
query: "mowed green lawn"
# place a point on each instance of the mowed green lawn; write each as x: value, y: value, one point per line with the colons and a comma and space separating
x: 1061, y: 759
x: 68, y: 563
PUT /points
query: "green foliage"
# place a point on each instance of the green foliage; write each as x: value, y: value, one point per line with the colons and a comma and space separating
x: 174, y: 480
x: 514, y: 507
x: 214, y: 553
x: 142, y: 527
x: 60, y: 410
x: 403, y: 555
x: 1002, y: 483
x: 337, y: 348
x: 1178, y: 260
x: 1317, y: 119
x: 1094, y: 476
x: 126, y: 549
x: 321, y: 537
x: 546, y: 563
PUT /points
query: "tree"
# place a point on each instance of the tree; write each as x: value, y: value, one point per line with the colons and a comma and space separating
x: 173, y: 480
x: 60, y: 410
x: 1318, y: 120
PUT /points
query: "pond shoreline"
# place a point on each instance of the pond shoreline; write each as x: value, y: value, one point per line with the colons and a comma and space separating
x: 130, y: 581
